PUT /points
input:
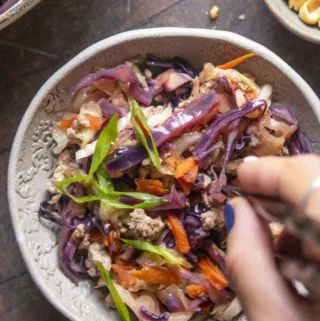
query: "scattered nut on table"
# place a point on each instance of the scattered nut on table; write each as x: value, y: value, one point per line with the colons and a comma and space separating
x: 214, y: 12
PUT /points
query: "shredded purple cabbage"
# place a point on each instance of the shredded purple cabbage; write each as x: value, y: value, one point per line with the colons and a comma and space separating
x: 183, y: 65
x: 178, y: 63
x: 153, y: 317
x: 121, y: 73
x: 46, y: 213
x: 224, y: 86
x: 213, y: 131
x: 109, y: 110
x: 242, y: 142
x: 299, y: 144
x: 283, y: 113
x: 174, y: 200
x: 233, y: 132
x: 196, y: 112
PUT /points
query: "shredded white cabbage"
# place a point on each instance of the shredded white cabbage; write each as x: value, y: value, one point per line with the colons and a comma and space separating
x: 86, y: 151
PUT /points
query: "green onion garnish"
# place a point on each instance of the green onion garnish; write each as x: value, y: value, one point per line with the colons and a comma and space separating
x: 144, y: 134
x: 120, y: 305
x: 107, y: 136
x: 149, y: 247
x: 105, y: 193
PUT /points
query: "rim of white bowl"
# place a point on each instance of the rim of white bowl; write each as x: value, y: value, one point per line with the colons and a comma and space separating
x: 94, y: 49
x: 16, y: 11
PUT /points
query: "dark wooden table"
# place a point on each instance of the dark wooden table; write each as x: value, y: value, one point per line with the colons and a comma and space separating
x: 53, y: 32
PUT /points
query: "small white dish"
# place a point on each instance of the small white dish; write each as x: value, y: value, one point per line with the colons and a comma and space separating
x: 290, y: 19
x: 16, y: 11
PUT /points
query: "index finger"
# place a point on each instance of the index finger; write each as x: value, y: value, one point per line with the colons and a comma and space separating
x: 287, y: 178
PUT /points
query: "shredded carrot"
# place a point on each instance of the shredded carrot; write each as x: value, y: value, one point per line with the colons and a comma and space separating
x: 156, y: 275
x: 179, y: 233
x: 171, y: 162
x: 186, y: 173
x: 66, y: 123
x: 186, y: 187
x: 233, y: 63
x: 94, y: 121
x: 195, y: 290
x: 188, y: 170
x: 151, y: 186
x: 185, y: 167
x: 212, y: 273
x: 126, y: 278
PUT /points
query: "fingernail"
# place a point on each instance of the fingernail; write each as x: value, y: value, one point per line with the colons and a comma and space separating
x: 250, y: 158
x: 228, y: 216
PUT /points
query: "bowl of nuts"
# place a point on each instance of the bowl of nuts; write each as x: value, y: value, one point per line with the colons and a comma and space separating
x: 301, y: 17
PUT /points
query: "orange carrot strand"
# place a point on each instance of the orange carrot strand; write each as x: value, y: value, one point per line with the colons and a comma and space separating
x: 66, y: 123
x: 186, y: 173
x: 212, y: 273
x: 94, y: 121
x: 151, y: 186
x: 124, y: 275
x: 233, y: 63
x: 179, y: 234
x: 156, y: 275
x: 195, y: 290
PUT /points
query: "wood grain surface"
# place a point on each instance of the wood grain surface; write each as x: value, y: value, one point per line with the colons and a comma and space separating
x: 39, y: 43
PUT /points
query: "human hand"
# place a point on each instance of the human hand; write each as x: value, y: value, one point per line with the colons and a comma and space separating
x: 263, y: 292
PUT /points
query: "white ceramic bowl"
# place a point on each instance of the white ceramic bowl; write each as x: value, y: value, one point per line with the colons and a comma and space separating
x: 31, y: 159
x: 290, y: 19
x: 16, y: 11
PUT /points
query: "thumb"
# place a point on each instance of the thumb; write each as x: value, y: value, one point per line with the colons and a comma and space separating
x: 251, y: 266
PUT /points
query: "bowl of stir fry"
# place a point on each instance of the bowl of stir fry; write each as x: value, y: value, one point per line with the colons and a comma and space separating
x: 302, y: 17
x: 123, y: 162
x: 11, y: 10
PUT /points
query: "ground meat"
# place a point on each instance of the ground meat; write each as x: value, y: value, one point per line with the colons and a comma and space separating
x: 112, y: 216
x: 212, y: 201
x: 66, y: 167
x: 85, y: 243
x: 141, y: 226
x: 78, y: 233
x: 213, y: 219
x: 97, y: 253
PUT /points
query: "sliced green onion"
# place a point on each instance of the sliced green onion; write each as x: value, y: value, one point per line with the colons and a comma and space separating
x: 149, y: 247
x: 112, y: 197
x: 104, y: 180
x: 107, y: 136
x: 144, y: 134
x: 120, y: 305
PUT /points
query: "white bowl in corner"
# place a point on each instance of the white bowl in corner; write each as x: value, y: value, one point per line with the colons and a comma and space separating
x: 16, y: 11
x: 31, y: 159
x: 290, y: 19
